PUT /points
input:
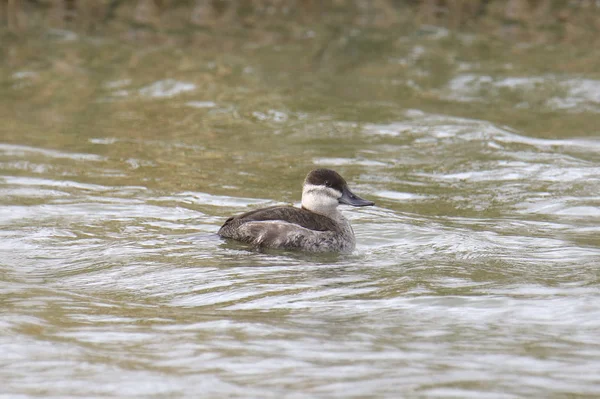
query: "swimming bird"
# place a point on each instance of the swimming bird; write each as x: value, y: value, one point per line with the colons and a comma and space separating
x: 318, y: 226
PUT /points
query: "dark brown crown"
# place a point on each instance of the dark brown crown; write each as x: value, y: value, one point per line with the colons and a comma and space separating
x: 326, y: 177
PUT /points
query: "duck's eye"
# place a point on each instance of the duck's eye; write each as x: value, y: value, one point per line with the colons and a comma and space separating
x: 327, y: 183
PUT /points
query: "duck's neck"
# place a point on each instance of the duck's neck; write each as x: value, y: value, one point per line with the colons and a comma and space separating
x: 323, y: 205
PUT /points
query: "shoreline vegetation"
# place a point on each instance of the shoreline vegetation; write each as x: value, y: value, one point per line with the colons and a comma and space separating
x: 535, y: 21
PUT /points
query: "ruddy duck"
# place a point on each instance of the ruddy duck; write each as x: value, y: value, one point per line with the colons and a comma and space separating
x: 316, y: 227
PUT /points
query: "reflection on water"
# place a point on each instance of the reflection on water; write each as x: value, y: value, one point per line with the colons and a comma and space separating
x: 474, y: 276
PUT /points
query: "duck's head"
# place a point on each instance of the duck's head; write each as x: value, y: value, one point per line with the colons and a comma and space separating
x: 325, y: 189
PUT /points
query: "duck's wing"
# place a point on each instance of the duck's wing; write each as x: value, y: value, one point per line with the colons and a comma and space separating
x: 288, y: 214
x: 283, y: 227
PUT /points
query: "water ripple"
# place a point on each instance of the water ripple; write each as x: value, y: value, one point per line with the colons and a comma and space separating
x: 476, y: 269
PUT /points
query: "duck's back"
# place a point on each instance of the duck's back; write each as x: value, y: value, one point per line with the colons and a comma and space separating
x: 286, y: 227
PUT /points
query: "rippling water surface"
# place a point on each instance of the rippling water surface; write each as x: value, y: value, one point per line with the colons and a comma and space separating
x: 476, y: 275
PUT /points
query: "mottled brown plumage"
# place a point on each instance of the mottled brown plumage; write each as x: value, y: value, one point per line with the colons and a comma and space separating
x: 299, y: 216
x: 316, y: 227
x: 285, y: 227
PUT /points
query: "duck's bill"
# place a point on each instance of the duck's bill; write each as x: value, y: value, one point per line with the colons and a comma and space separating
x: 349, y: 198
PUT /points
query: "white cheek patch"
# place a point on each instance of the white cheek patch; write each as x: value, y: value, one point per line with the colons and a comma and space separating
x: 320, y: 199
x: 321, y: 191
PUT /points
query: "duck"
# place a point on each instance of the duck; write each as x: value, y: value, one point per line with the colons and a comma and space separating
x: 317, y: 226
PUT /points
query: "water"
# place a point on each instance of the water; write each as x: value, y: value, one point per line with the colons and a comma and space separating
x: 476, y: 275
